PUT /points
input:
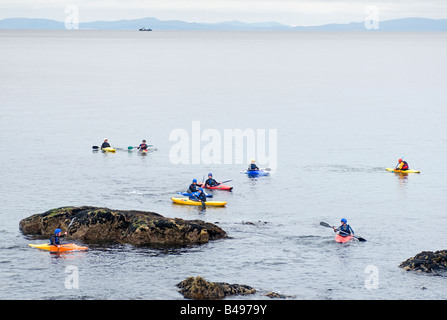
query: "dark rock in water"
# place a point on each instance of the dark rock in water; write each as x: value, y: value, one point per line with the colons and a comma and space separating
x: 200, y: 289
x: 427, y: 261
x: 93, y: 224
x: 276, y: 295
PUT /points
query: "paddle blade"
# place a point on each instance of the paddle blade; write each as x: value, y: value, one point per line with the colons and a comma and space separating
x: 361, y: 239
x: 324, y: 224
x: 95, y: 147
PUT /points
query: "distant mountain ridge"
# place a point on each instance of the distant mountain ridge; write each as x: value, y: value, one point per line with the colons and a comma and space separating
x: 404, y: 24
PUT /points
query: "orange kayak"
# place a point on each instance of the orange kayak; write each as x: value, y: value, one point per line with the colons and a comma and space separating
x: 63, y: 248
x: 341, y: 239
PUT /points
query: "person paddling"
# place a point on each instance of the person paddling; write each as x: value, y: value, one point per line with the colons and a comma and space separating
x: 210, y: 182
x: 55, y: 239
x: 403, y: 165
x: 345, y: 229
x: 105, y: 144
x: 143, y: 146
x: 201, y: 196
x: 193, y: 187
x: 252, y: 166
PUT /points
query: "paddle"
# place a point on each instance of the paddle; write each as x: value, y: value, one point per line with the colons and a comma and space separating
x: 327, y: 225
x: 130, y: 147
x: 71, y: 222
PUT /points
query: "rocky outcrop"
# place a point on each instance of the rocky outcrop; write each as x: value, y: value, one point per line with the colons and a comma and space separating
x: 199, y: 289
x: 427, y: 261
x: 93, y: 224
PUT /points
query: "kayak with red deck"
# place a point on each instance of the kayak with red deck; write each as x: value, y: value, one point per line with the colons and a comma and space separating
x: 338, y: 237
x: 62, y: 248
x: 218, y: 187
x: 342, y: 239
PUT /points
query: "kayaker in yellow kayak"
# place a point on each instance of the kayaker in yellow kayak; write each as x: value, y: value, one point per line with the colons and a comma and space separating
x: 55, y: 239
x: 403, y: 165
x: 345, y: 229
x: 201, y: 196
x: 252, y: 166
x: 105, y: 144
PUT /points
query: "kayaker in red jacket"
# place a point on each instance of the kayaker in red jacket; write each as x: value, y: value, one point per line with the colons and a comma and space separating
x: 143, y: 145
x: 403, y: 165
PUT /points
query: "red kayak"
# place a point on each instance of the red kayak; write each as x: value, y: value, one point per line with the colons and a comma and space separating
x: 218, y: 187
x: 341, y: 239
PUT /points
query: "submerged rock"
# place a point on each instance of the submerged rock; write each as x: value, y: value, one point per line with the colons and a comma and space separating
x: 93, y: 224
x: 276, y: 295
x: 199, y: 289
x: 427, y: 261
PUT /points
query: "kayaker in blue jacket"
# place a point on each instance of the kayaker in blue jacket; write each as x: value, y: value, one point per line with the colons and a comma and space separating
x: 105, y: 144
x: 345, y: 229
x: 210, y: 182
x: 252, y: 166
x: 193, y: 187
x: 55, y: 239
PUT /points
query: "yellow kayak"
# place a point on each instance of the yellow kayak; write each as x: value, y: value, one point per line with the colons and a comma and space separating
x: 187, y: 201
x: 403, y: 171
x: 62, y: 248
x: 108, y: 149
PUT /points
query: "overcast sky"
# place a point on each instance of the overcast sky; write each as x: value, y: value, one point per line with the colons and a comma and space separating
x: 291, y: 12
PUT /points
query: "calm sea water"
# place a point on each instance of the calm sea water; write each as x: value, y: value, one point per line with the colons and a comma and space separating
x: 345, y: 106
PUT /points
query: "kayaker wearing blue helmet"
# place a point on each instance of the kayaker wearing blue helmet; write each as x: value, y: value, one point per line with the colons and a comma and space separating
x: 345, y: 229
x: 193, y: 187
x: 202, y: 196
x: 210, y: 182
x: 55, y: 239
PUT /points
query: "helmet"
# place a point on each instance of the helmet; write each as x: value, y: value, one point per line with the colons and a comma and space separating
x: 57, y: 231
x: 210, y: 174
x: 194, y: 180
x: 344, y: 220
x: 201, y: 189
x: 400, y: 160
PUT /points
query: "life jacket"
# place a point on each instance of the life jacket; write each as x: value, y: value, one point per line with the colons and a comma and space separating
x: 202, y: 197
x: 405, y: 165
x: 54, y: 240
x: 193, y: 187
x: 346, y: 230
x: 211, y: 182
x: 143, y: 146
x: 252, y: 167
